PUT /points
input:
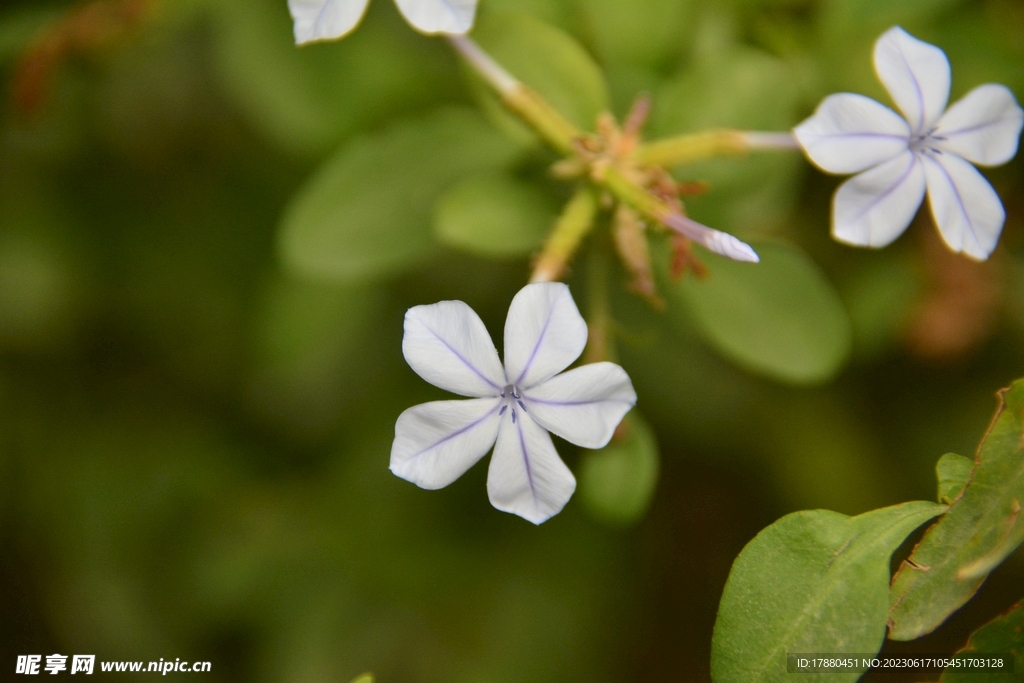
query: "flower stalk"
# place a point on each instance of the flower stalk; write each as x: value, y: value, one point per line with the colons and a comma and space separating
x: 602, y: 168
x: 600, y: 344
x: 572, y: 226
x: 693, y: 147
x: 554, y: 128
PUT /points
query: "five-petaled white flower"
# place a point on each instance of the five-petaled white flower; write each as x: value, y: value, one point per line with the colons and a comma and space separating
x: 898, y: 159
x: 332, y: 19
x: 516, y: 405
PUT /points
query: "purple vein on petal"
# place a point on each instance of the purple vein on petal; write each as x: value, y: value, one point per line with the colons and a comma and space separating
x: 917, y: 90
x: 892, y: 188
x: 969, y: 129
x: 454, y: 434
x: 533, y: 354
x: 960, y: 205
x: 830, y: 136
x: 464, y: 360
x: 577, y: 403
x: 526, y: 461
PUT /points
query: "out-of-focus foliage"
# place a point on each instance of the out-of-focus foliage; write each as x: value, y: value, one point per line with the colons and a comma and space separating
x: 1004, y: 635
x: 617, y: 481
x: 494, y: 215
x: 367, y: 211
x: 196, y: 406
x: 780, y: 317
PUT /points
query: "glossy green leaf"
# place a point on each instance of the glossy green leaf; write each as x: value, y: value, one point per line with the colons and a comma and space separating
x: 953, y: 472
x: 815, y: 581
x: 617, y: 482
x: 366, y: 211
x: 548, y: 60
x: 981, y: 529
x: 1003, y: 635
x: 494, y: 215
x: 780, y: 317
x: 307, y: 99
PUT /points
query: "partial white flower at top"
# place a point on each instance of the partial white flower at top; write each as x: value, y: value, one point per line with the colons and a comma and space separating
x: 332, y: 19
x: 897, y: 158
x: 516, y: 405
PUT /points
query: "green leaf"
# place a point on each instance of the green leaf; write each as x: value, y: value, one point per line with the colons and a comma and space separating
x: 307, y: 99
x: 548, y: 60
x: 495, y: 215
x: 953, y: 472
x: 981, y: 529
x: 1003, y: 635
x: 617, y: 482
x: 639, y: 32
x: 365, y: 678
x: 780, y: 317
x: 815, y: 581
x: 366, y: 211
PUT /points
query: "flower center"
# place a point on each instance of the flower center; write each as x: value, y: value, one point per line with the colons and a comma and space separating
x: 511, y: 398
x: 926, y: 143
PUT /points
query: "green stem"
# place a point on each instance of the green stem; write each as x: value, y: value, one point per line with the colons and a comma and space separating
x: 633, y: 195
x: 600, y: 343
x: 562, y: 135
x: 554, y: 128
x: 575, y: 222
x: 692, y: 147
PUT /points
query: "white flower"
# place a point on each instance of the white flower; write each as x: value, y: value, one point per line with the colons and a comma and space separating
x: 930, y: 149
x: 516, y: 405
x: 331, y: 19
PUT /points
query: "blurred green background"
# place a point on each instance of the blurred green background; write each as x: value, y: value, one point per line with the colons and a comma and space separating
x: 196, y: 414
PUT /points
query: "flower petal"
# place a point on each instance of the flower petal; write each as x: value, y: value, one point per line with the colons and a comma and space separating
x: 850, y: 133
x: 874, y: 208
x: 447, y: 344
x: 583, y: 406
x: 966, y: 208
x: 916, y: 75
x: 983, y: 126
x: 526, y: 476
x: 325, y: 19
x: 435, y: 443
x: 713, y: 240
x: 439, y: 16
x: 544, y: 333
